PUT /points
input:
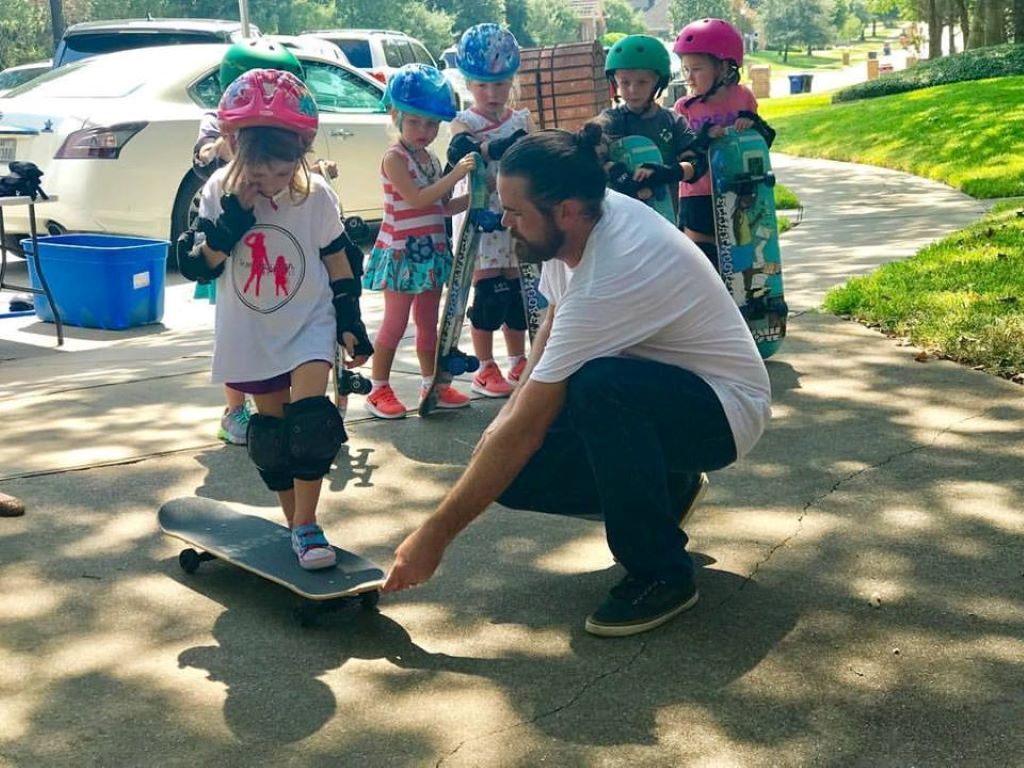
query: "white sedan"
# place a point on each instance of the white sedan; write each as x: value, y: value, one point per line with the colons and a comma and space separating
x: 114, y: 135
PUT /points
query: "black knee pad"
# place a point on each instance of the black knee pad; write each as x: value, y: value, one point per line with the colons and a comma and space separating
x: 267, y: 445
x: 315, y: 435
x: 515, y: 312
x: 490, y: 301
x: 711, y: 251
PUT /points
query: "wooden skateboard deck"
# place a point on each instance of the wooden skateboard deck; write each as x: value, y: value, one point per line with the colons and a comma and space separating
x: 747, y: 234
x: 449, y: 361
x: 264, y: 548
x: 632, y: 151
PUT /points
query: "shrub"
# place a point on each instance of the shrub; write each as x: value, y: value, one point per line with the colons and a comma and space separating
x: 978, y: 64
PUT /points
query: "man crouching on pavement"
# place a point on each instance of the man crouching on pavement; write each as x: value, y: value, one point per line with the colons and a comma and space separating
x: 643, y: 376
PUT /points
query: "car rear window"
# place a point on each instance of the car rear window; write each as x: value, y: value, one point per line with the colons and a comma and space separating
x: 357, y: 51
x: 89, y: 79
x: 394, y: 56
x: 83, y: 46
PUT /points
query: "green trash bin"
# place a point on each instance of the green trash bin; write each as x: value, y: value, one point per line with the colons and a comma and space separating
x: 805, y: 84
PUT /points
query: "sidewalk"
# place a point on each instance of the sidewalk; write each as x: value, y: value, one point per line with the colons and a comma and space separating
x: 861, y: 583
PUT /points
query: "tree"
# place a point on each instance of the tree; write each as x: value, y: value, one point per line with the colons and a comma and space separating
x: 516, y: 15
x: 466, y: 13
x: 619, y: 16
x: 552, y: 21
x: 682, y: 12
x: 789, y: 22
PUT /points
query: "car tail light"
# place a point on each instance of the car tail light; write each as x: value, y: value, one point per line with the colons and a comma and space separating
x: 379, y: 75
x: 103, y: 143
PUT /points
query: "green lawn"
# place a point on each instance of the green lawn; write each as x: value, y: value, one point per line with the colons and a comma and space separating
x: 830, y: 58
x: 961, y: 298
x: 965, y: 134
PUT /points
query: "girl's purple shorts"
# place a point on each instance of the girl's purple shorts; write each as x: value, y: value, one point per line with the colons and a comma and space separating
x: 282, y: 381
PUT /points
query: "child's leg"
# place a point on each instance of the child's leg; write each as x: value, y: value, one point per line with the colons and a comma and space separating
x: 425, y: 308
x: 309, y: 381
x: 233, y: 397
x: 272, y: 404
x: 392, y: 328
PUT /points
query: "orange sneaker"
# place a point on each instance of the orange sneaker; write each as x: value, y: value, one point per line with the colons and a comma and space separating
x: 490, y: 383
x: 449, y: 397
x: 517, y: 370
x: 384, y: 404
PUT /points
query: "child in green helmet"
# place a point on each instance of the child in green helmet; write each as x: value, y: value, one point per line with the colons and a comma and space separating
x: 638, y: 69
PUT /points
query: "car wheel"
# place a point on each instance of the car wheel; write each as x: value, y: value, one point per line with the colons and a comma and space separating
x: 186, y: 208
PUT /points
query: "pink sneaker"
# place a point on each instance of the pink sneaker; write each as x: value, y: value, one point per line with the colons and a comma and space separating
x: 517, y: 371
x: 449, y: 397
x: 490, y: 383
x: 384, y: 404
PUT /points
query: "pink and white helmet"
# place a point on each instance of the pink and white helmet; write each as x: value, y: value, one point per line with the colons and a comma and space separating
x: 714, y: 37
x: 270, y: 98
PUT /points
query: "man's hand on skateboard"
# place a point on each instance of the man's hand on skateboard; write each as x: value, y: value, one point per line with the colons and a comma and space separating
x: 416, y: 558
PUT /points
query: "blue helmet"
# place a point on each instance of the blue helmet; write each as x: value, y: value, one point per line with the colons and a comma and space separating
x: 420, y: 89
x: 487, y: 53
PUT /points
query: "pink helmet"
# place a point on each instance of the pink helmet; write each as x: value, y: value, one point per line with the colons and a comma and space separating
x: 271, y: 98
x: 711, y: 36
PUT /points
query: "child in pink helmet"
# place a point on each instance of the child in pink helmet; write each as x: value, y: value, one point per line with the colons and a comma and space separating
x: 270, y: 234
x: 712, y: 54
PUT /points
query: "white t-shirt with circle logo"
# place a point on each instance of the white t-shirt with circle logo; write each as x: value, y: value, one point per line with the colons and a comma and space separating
x: 274, y: 308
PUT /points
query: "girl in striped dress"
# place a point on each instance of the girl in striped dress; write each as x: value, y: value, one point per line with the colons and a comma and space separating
x: 411, y: 258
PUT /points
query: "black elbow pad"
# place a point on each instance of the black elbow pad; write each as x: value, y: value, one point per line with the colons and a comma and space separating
x: 191, y: 262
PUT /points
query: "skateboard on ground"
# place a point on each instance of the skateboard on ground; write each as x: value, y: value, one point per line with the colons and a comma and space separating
x: 265, y: 548
x: 450, y: 361
x: 632, y: 151
x: 747, y: 233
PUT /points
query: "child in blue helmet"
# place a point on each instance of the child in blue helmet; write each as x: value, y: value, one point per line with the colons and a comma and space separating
x: 488, y: 57
x: 411, y: 259
x: 638, y: 69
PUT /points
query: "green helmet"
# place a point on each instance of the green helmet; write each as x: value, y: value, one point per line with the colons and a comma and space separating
x: 639, y: 52
x: 260, y: 53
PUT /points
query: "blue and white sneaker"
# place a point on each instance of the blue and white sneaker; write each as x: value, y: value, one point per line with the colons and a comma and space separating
x: 311, y: 547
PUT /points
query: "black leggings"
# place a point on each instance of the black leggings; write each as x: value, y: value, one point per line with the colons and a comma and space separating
x: 695, y: 213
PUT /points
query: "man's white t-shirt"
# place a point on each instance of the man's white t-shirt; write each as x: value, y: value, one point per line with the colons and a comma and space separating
x: 642, y: 289
x: 274, y: 308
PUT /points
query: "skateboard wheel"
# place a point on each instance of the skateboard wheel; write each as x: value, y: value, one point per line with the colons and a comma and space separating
x: 456, y: 366
x: 472, y: 364
x: 189, y: 560
x: 369, y: 600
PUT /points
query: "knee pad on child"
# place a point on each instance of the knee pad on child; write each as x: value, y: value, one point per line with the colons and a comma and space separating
x: 515, y: 312
x: 490, y: 302
x: 267, y: 446
x: 316, y: 433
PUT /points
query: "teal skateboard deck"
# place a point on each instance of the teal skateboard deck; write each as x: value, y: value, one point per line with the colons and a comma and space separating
x: 632, y: 151
x: 265, y: 549
x: 450, y: 361
x: 747, y: 234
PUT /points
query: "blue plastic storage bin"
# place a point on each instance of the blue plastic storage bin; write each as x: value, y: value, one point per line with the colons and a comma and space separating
x: 101, y: 281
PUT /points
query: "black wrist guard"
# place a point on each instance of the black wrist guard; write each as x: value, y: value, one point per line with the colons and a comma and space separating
x: 700, y: 167
x: 621, y: 180
x: 234, y: 221
x: 498, y: 147
x: 663, y: 174
x: 347, y: 316
x: 191, y: 262
x: 461, y: 145
x: 766, y: 131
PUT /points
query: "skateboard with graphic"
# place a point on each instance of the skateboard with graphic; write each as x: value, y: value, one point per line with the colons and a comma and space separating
x: 534, y: 302
x: 632, y: 151
x: 450, y: 360
x: 214, y: 531
x: 747, y: 233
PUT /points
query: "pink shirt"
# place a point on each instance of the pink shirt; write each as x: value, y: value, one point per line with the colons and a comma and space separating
x: 724, y: 110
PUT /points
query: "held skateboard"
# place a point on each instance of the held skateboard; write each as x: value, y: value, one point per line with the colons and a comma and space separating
x: 450, y: 361
x: 534, y: 303
x: 747, y: 233
x: 632, y: 151
x: 265, y: 548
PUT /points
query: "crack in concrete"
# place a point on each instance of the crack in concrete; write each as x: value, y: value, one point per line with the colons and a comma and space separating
x: 587, y: 685
x: 839, y: 483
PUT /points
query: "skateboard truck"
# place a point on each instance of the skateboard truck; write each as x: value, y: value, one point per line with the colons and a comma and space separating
x: 353, y: 383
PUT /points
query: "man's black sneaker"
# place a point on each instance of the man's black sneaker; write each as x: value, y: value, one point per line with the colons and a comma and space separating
x: 636, y: 605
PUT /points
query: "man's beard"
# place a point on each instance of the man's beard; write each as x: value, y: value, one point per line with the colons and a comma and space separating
x: 530, y: 252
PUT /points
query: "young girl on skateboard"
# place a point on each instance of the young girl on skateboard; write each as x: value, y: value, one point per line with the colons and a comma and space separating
x: 411, y: 259
x: 712, y: 54
x: 638, y: 70
x: 264, y: 215
x: 488, y: 57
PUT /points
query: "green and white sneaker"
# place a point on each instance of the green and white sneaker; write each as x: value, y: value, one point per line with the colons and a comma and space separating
x: 234, y: 424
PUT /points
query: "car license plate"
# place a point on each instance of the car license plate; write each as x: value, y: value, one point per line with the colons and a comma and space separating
x: 7, y: 150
